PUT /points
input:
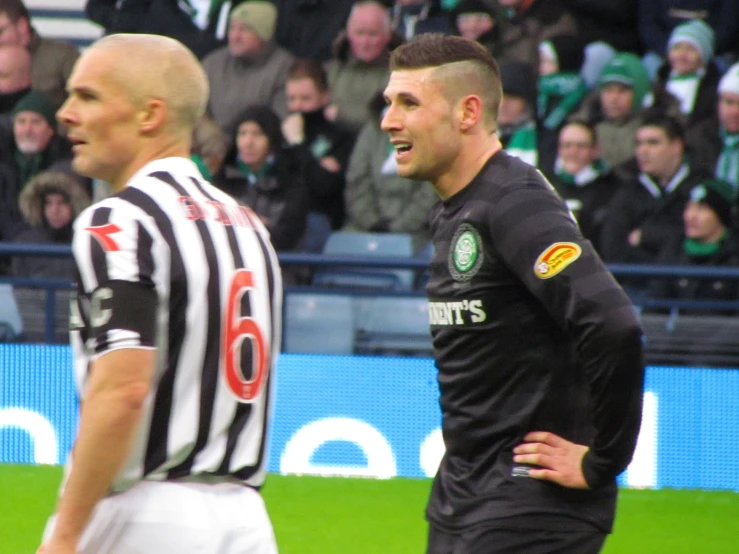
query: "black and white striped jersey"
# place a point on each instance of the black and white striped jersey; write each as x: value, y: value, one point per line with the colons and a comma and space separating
x: 174, y: 264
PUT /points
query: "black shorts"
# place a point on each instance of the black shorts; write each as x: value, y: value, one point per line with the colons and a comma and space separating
x: 490, y: 540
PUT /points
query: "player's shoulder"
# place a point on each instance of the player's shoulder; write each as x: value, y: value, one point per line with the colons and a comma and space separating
x: 505, y: 174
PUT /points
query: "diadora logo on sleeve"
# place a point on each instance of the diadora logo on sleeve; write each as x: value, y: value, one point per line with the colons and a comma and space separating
x: 555, y: 258
x: 102, y: 234
x: 466, y: 253
x: 460, y: 312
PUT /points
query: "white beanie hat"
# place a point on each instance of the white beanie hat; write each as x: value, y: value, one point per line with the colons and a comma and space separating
x: 696, y: 32
x: 730, y: 81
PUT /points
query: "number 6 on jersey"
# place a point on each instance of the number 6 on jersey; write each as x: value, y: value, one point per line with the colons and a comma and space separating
x: 235, y: 330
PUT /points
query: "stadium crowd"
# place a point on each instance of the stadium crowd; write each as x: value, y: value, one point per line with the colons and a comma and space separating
x: 630, y: 108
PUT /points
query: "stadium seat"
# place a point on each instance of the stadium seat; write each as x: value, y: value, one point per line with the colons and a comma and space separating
x: 32, y: 306
x: 395, y: 326
x: 11, y: 323
x: 426, y: 254
x: 318, y: 324
x: 342, y: 243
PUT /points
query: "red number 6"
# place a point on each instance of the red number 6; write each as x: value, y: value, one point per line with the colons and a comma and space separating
x: 236, y: 329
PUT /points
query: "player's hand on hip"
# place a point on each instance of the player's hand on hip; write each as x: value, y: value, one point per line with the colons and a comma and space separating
x: 559, y: 460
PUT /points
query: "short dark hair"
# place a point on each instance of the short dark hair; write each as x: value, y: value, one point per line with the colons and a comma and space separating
x: 672, y: 127
x: 14, y: 9
x: 430, y: 50
x: 589, y: 127
x: 309, y: 69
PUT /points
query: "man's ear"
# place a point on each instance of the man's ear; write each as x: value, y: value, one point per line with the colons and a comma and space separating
x: 152, y: 116
x: 472, y: 111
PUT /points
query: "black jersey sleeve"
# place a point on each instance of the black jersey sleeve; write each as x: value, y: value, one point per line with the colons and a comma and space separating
x: 539, y: 241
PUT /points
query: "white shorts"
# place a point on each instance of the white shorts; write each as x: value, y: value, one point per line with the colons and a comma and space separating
x: 187, y: 518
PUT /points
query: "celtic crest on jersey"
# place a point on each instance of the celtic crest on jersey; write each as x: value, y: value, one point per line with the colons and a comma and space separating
x: 466, y: 253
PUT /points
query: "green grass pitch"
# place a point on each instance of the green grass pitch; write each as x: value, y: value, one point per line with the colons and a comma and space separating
x: 314, y: 515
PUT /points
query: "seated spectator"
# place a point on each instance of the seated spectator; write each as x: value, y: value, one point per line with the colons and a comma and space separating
x: 198, y: 24
x: 530, y: 22
x: 378, y: 200
x: 581, y: 178
x: 262, y: 175
x: 560, y: 90
x: 707, y: 240
x: 516, y: 119
x: 51, y: 60
x: 658, y: 18
x: 15, y: 81
x: 646, y: 213
x: 251, y: 69
x: 209, y: 147
x: 691, y: 76
x: 714, y: 143
x: 35, y: 145
x: 413, y: 17
x: 481, y: 20
x: 359, y: 67
x: 321, y: 147
x: 50, y: 203
x: 308, y: 28
x: 616, y: 108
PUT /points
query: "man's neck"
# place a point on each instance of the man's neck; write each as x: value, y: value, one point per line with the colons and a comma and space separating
x: 471, y: 159
x: 146, y: 156
x: 665, y: 179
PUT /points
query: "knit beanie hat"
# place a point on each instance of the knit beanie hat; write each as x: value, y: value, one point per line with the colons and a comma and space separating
x: 717, y: 195
x: 518, y: 79
x: 38, y: 103
x: 696, y: 32
x: 267, y: 120
x: 730, y: 81
x: 260, y: 16
x: 569, y: 52
x: 626, y: 68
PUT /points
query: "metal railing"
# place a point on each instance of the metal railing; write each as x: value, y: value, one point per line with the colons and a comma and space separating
x: 288, y: 259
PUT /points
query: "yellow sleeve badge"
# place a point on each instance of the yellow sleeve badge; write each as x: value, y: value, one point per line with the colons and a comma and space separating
x: 555, y: 258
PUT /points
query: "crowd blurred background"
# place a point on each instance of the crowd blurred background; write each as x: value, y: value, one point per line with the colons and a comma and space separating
x: 629, y: 107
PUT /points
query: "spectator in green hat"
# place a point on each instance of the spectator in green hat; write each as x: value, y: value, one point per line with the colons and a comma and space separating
x: 707, y: 240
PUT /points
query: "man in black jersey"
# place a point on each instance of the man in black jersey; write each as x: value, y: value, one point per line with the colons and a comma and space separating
x: 538, y: 349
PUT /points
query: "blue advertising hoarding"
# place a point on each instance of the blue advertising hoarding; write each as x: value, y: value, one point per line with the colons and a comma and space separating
x: 379, y: 417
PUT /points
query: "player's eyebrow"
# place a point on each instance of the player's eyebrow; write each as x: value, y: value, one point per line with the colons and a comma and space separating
x: 403, y: 96
x: 83, y: 91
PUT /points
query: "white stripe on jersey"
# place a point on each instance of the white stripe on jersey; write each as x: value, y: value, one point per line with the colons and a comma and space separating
x: 155, y: 206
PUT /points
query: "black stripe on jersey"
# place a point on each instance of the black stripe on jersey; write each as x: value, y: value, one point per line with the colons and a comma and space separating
x: 156, y: 448
x: 211, y: 359
x: 243, y: 411
x: 144, y: 256
x: 100, y: 217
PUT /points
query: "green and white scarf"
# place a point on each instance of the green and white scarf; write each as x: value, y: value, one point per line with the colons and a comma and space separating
x: 727, y: 166
x: 522, y: 144
x: 585, y: 176
x: 698, y: 249
x: 565, y: 90
x: 685, y: 89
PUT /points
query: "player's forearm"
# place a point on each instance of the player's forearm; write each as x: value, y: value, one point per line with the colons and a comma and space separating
x: 108, y: 424
x: 616, y: 378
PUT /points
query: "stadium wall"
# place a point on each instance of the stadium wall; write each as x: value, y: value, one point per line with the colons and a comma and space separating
x: 379, y: 417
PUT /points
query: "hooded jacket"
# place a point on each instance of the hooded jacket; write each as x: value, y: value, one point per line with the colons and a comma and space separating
x: 31, y: 203
x: 277, y: 194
